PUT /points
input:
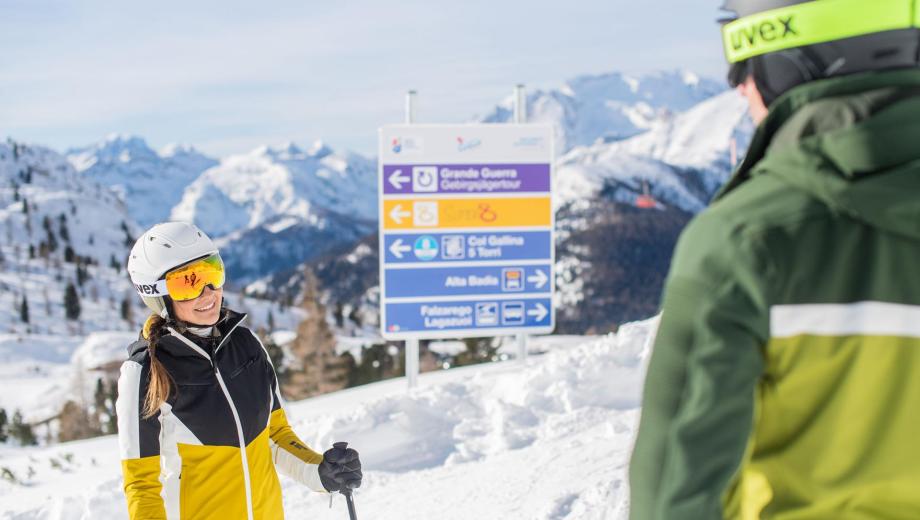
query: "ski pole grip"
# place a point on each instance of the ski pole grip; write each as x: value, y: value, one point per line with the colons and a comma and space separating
x: 342, y: 446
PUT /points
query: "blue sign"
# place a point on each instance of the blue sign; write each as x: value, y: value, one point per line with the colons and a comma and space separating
x: 443, y: 316
x: 402, y: 248
x: 466, y: 230
x: 466, y: 280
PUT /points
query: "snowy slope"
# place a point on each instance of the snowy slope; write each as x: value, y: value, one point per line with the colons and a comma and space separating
x: 683, y: 159
x: 609, y: 107
x: 548, y: 440
x: 261, y: 187
x: 150, y: 182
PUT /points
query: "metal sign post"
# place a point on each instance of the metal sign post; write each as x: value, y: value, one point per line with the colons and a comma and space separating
x: 466, y: 231
x: 520, y: 115
x: 411, y: 349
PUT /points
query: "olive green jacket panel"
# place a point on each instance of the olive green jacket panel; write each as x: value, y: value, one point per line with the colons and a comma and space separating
x: 740, y: 423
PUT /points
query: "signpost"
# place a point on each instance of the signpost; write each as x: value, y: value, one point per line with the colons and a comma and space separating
x: 466, y: 231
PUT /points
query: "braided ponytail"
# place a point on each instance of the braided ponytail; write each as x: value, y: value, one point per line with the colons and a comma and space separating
x: 160, y: 382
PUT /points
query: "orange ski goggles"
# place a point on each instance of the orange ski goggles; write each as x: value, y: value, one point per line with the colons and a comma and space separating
x: 188, y: 282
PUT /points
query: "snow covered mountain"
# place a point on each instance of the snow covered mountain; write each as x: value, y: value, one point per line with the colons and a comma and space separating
x: 62, y: 233
x: 247, y: 191
x: 151, y: 182
x: 275, y: 208
x: 682, y: 160
x: 609, y: 107
x: 47, y: 206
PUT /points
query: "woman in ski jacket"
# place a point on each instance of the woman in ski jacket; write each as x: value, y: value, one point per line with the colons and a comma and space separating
x: 201, y: 427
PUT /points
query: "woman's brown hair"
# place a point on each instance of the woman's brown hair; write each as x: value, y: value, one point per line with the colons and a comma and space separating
x: 160, y: 382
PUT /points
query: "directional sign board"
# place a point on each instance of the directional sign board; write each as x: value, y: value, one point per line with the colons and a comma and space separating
x: 466, y: 230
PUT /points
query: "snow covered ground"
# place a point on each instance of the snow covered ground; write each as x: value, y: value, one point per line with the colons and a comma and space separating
x: 548, y: 439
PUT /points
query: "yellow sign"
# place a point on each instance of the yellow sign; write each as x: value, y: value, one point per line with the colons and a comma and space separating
x: 467, y: 213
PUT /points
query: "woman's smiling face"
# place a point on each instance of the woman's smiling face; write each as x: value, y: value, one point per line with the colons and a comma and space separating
x: 203, y: 310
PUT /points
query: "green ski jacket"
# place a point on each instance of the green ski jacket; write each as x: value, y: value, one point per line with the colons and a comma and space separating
x: 785, y: 378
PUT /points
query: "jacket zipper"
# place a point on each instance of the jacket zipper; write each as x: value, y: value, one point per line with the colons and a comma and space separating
x: 236, y: 415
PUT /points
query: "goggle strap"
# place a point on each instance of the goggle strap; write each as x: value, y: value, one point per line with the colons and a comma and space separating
x: 155, y: 290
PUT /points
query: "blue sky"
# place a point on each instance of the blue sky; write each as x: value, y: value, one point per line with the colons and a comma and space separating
x: 228, y: 76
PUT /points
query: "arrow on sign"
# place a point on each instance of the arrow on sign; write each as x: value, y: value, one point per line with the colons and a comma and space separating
x: 398, y: 214
x: 539, y: 313
x: 398, y: 248
x: 539, y: 279
x: 397, y: 179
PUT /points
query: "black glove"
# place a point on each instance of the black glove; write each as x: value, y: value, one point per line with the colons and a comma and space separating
x: 340, y: 468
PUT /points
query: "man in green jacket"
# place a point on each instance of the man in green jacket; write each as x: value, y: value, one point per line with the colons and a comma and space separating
x: 785, y: 378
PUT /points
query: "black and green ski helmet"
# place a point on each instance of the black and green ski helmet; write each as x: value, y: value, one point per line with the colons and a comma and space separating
x: 784, y: 43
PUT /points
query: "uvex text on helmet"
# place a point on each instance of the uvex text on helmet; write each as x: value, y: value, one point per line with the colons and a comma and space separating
x: 784, y: 43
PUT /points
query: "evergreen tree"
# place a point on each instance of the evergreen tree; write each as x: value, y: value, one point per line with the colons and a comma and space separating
x: 82, y: 273
x: 112, y: 425
x: 25, y: 206
x: 321, y: 369
x: 104, y: 407
x: 52, y: 239
x: 69, y: 254
x: 129, y: 240
x: 31, y: 251
x: 77, y: 423
x: 62, y: 228
x: 99, y: 396
x: 24, y: 310
x: 21, y: 431
x: 126, y: 313
x: 71, y: 303
x: 4, y: 425
x: 114, y: 264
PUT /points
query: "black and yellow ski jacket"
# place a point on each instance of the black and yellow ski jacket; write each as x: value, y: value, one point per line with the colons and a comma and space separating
x: 785, y: 379
x: 212, y: 450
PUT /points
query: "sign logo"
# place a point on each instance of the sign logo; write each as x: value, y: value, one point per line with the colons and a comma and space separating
x: 513, y: 313
x: 467, y: 144
x: 454, y: 247
x: 425, y: 214
x: 425, y: 179
x: 512, y: 280
x: 426, y: 248
x: 405, y: 144
x: 529, y: 142
x: 487, y: 314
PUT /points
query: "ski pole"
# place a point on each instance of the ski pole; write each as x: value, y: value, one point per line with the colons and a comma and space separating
x: 349, y: 499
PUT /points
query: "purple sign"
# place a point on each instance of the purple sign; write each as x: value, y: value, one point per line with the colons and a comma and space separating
x: 466, y: 178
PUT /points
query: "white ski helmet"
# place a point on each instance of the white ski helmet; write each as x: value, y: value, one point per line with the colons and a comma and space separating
x: 159, y: 250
